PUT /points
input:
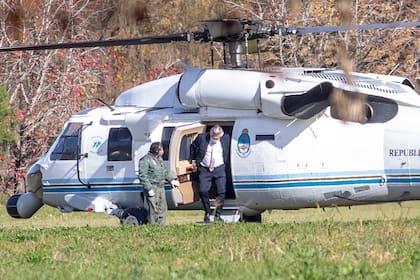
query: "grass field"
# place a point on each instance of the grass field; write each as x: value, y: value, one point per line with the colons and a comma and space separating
x: 365, y: 242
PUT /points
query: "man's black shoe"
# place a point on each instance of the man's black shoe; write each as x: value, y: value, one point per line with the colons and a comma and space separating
x: 207, y: 218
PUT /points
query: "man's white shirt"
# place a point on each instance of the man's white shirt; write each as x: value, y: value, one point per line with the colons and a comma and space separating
x: 214, y: 151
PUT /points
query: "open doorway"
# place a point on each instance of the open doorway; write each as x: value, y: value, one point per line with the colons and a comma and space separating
x: 230, y: 193
x: 179, y: 163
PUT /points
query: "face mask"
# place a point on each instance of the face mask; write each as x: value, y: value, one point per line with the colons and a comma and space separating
x: 213, y: 141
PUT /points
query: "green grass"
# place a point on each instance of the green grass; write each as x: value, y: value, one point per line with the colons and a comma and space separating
x: 366, y: 242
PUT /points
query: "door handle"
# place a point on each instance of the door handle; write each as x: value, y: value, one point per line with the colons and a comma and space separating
x: 109, y: 168
x: 85, y: 155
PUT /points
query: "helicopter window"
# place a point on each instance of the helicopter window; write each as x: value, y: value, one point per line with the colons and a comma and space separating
x: 184, y: 153
x: 263, y: 137
x: 119, y: 144
x: 66, y: 148
x: 166, y: 141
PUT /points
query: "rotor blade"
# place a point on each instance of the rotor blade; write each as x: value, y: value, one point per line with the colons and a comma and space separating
x: 105, y: 43
x: 328, y: 29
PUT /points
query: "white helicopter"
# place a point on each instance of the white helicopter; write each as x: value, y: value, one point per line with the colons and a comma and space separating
x: 289, y: 148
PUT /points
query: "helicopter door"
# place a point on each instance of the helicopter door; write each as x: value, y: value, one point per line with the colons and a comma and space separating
x: 108, y: 156
x: 180, y: 165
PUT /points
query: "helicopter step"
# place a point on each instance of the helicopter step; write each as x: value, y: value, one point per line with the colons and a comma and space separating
x: 229, y: 214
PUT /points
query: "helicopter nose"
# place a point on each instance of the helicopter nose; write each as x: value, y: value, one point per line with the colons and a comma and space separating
x: 23, y: 205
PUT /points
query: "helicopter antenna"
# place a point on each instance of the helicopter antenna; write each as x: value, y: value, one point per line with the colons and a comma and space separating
x: 183, y: 64
x: 104, y: 103
x: 394, y: 69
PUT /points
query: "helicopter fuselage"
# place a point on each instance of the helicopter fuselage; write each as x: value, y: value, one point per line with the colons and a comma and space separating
x: 288, y: 149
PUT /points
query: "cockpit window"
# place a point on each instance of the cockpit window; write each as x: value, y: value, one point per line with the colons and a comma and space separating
x: 66, y: 148
x: 119, y: 144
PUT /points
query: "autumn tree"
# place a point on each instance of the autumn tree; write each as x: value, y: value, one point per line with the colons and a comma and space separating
x: 6, y: 131
x: 46, y: 87
x: 377, y: 51
x: 6, y: 119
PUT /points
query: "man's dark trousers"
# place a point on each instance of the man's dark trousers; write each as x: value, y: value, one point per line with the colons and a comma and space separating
x: 206, y: 177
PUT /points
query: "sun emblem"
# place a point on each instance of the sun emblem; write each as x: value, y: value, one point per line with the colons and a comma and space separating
x: 244, y: 144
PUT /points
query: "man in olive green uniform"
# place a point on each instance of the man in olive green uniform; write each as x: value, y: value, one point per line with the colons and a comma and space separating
x: 153, y: 175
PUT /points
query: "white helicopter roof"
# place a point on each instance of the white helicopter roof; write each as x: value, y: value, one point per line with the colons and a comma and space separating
x: 160, y: 93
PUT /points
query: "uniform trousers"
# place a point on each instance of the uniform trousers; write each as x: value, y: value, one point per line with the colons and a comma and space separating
x: 157, y: 206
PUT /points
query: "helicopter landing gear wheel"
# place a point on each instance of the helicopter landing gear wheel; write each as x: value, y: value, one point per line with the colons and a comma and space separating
x: 134, y: 216
x: 251, y: 219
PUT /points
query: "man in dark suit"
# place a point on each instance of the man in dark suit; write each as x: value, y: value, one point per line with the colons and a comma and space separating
x: 210, y: 156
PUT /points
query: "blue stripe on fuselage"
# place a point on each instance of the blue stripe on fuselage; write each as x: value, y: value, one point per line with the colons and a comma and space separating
x: 247, y: 182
